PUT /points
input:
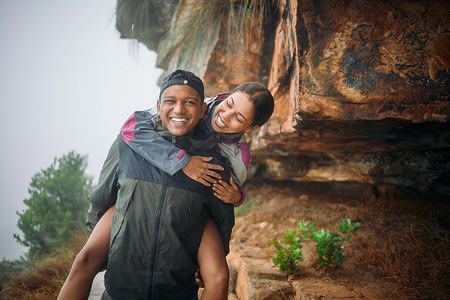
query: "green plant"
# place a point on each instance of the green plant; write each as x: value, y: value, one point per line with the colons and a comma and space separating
x: 329, y: 244
x: 248, y: 206
x: 57, y: 205
x: 286, y: 257
x: 196, y: 25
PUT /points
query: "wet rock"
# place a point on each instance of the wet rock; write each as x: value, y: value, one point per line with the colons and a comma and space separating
x: 361, y: 88
x: 253, y: 278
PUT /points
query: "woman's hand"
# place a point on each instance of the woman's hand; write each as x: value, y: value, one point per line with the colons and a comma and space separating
x: 199, y: 279
x: 199, y: 170
x: 228, y: 193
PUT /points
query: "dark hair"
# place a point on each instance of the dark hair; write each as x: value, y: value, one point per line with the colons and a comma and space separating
x: 261, y: 98
x: 182, y: 77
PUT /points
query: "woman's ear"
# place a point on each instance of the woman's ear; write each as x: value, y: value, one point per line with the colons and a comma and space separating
x: 251, y: 129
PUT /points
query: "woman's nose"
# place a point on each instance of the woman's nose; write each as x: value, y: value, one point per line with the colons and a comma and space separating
x: 226, y: 114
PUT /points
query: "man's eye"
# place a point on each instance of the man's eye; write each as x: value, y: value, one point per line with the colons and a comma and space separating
x: 240, y: 120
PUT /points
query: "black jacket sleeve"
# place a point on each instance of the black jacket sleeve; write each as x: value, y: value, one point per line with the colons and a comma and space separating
x: 104, y: 195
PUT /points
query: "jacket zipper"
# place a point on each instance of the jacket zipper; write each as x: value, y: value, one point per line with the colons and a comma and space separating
x: 156, y: 235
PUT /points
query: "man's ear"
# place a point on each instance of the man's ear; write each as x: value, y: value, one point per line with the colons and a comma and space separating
x: 158, y: 104
x: 204, y: 106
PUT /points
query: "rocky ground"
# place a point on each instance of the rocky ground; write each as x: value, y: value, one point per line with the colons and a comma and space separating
x: 399, y: 252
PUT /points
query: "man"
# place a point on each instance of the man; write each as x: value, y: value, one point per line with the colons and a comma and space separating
x: 159, y: 218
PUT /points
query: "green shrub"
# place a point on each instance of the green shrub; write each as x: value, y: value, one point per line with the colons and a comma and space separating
x: 328, y: 248
x: 329, y: 244
x: 286, y: 257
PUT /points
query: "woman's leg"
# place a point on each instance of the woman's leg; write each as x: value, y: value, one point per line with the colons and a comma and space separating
x: 212, y: 263
x: 88, y: 261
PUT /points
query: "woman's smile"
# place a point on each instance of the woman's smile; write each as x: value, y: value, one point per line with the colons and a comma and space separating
x: 220, y: 122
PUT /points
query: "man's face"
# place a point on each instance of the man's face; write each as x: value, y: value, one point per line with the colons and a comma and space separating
x: 180, y: 108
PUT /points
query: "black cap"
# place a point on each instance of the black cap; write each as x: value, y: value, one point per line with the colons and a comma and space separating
x: 182, y: 77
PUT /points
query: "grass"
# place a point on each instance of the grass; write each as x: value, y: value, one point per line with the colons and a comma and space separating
x: 197, y: 24
x: 251, y: 203
x: 410, y: 250
x: 247, y: 207
x: 47, y: 276
x: 400, y: 245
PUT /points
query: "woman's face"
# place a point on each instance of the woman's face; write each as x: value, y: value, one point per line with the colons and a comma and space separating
x: 234, y: 114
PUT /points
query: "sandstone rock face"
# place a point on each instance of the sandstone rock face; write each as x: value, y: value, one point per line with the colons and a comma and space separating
x: 361, y: 87
x: 253, y: 278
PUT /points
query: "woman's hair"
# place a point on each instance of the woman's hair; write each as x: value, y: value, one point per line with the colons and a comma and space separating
x: 262, y: 101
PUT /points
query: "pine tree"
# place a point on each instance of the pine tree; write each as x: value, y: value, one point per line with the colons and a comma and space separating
x: 57, y: 205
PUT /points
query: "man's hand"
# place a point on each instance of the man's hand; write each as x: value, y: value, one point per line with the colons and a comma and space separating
x: 199, y: 170
x: 226, y: 192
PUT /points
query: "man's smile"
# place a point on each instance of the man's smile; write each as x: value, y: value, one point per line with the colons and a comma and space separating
x: 178, y: 120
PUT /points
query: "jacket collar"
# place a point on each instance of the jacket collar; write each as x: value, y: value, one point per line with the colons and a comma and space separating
x: 200, y: 139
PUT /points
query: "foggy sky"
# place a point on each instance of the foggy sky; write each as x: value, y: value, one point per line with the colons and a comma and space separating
x: 67, y: 82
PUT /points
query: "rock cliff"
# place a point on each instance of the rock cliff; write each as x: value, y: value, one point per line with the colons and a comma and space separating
x: 361, y: 88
